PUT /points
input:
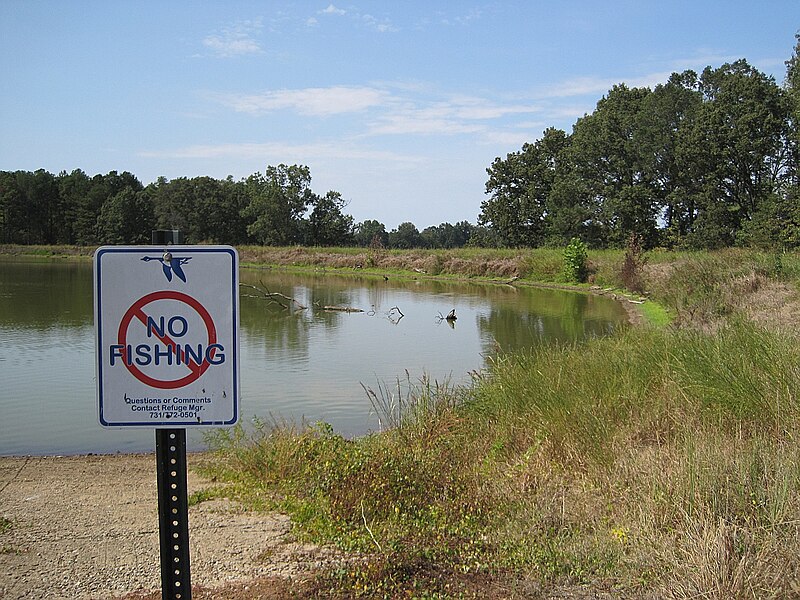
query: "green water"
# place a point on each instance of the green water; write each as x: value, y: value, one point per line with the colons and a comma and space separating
x: 295, y: 365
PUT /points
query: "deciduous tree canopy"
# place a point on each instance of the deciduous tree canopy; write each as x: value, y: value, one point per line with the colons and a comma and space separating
x: 699, y: 162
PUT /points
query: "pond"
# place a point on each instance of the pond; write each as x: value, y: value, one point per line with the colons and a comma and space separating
x: 296, y: 365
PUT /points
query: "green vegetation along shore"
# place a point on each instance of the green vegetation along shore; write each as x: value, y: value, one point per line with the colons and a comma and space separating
x: 660, y: 462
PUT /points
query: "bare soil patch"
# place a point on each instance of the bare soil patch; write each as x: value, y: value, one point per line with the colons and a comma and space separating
x: 87, y: 527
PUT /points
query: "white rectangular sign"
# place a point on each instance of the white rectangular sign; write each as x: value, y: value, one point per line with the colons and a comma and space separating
x: 167, y: 334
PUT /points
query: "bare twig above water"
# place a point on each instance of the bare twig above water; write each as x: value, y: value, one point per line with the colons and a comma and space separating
x: 265, y: 294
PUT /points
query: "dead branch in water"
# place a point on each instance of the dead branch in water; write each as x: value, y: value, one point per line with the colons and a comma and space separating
x: 392, y: 315
x: 265, y: 294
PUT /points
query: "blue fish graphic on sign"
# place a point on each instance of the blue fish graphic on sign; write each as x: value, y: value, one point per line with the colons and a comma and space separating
x: 170, y: 265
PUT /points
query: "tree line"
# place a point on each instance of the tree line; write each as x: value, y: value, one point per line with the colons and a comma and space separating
x: 275, y: 208
x: 701, y: 161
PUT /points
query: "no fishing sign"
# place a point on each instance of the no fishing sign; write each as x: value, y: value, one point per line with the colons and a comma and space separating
x: 167, y: 329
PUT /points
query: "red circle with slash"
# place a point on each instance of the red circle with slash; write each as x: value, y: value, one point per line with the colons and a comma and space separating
x: 136, y: 311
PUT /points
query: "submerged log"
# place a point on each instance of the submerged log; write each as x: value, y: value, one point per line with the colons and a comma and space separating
x: 348, y: 309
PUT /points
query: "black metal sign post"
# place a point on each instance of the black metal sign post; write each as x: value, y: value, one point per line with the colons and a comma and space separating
x: 173, y: 514
x: 173, y: 497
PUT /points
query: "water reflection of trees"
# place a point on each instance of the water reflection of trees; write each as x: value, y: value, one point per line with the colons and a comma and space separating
x: 40, y: 294
x: 274, y: 328
x: 554, y: 317
x: 284, y: 329
x: 510, y: 318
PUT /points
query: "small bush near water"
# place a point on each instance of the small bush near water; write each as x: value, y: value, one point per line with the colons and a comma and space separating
x: 575, y: 261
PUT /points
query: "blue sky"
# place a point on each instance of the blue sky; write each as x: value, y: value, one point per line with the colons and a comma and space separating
x: 400, y: 106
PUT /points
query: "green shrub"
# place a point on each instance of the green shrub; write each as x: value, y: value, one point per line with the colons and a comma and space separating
x: 575, y: 258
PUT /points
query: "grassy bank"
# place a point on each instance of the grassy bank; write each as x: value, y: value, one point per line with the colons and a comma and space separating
x: 662, y: 461
x: 654, y: 461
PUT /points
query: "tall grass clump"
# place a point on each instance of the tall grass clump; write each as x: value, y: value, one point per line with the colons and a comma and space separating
x: 656, y: 463
x: 706, y: 289
x: 632, y: 270
x: 630, y: 458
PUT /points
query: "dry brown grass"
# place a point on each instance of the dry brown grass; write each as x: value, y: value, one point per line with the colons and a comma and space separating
x: 427, y: 262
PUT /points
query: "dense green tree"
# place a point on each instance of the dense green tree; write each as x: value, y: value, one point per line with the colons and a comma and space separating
x: 30, y: 207
x: 777, y: 223
x: 88, y: 205
x: 12, y: 209
x: 230, y: 227
x: 520, y: 186
x: 571, y: 213
x: 205, y: 209
x: 73, y: 189
x: 608, y: 154
x: 666, y: 116
x: 693, y: 162
x: 482, y: 236
x: 126, y: 218
x: 736, y: 149
x: 327, y: 224
x: 792, y: 86
x: 446, y: 235
x: 176, y: 206
x: 405, y: 236
x: 370, y: 231
x: 277, y: 201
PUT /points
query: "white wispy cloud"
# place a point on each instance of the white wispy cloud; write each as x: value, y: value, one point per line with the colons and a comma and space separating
x: 475, y: 107
x: 380, y: 25
x: 354, y: 15
x: 459, y: 114
x: 447, y: 19
x: 702, y: 58
x: 308, y: 101
x: 579, y: 86
x: 514, y: 139
x: 472, y: 15
x: 391, y: 109
x: 599, y: 86
x: 236, y: 40
x: 280, y: 152
x: 411, y: 123
x: 332, y: 10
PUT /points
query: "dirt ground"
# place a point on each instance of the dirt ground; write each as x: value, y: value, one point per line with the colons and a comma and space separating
x: 87, y: 527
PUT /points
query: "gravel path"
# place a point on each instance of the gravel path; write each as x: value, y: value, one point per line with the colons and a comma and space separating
x: 87, y: 527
